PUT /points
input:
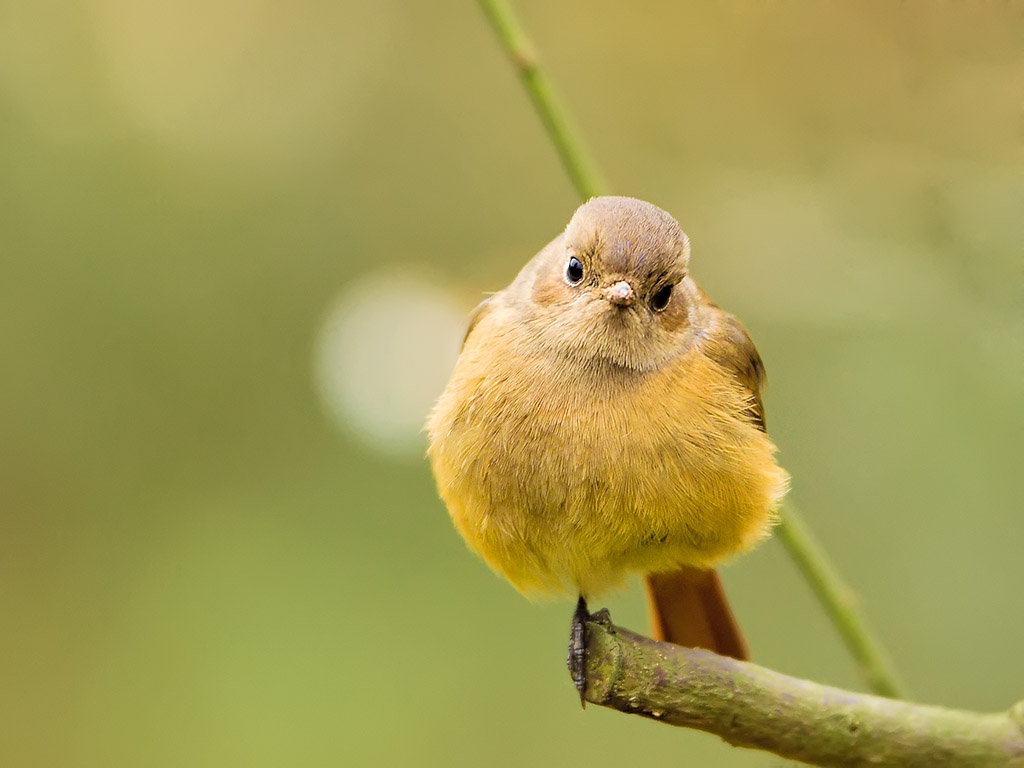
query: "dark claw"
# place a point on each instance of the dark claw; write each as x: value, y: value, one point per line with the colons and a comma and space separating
x: 578, y: 649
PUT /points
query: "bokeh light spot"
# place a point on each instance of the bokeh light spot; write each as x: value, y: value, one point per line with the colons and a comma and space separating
x: 384, y: 353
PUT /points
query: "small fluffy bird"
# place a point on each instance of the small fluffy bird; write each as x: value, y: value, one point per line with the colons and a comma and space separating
x: 604, y: 418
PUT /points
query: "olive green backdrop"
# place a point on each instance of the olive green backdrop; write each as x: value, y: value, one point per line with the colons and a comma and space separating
x: 238, y: 241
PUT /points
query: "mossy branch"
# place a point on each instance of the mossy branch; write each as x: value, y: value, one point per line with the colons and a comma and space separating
x: 809, y: 557
x: 750, y: 706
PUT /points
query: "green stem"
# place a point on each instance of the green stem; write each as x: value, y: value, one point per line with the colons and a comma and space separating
x: 839, y: 602
x: 810, y: 558
x: 581, y: 168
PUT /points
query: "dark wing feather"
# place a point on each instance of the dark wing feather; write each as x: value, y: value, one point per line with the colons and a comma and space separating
x: 731, y: 347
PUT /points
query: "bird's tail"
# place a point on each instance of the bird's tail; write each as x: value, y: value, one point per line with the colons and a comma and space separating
x: 688, y: 607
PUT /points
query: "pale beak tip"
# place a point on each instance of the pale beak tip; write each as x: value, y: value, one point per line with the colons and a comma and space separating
x: 620, y: 293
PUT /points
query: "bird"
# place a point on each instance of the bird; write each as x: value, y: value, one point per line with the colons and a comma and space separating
x: 604, y: 419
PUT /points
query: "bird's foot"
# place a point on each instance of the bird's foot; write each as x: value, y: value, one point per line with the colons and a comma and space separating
x: 577, y: 660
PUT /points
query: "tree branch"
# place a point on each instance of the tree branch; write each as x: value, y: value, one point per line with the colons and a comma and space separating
x: 750, y: 706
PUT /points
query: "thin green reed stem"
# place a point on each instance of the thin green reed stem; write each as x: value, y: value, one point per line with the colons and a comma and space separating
x: 840, y: 603
x: 832, y: 592
x: 583, y: 171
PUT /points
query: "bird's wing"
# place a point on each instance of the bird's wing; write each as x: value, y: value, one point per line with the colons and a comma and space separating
x: 730, y: 346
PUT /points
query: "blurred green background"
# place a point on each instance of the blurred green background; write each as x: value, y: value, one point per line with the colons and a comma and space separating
x: 239, y: 242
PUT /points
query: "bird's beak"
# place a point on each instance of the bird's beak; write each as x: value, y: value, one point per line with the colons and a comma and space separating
x: 620, y: 293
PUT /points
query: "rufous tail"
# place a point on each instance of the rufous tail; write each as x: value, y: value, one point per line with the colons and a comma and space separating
x: 688, y: 607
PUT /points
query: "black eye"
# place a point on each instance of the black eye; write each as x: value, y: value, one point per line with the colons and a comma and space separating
x: 660, y: 300
x: 574, y: 271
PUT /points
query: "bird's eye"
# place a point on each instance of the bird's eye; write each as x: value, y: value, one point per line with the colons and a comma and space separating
x: 660, y: 300
x: 574, y: 271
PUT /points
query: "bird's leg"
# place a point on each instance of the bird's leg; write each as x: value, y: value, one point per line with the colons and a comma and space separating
x: 578, y: 649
